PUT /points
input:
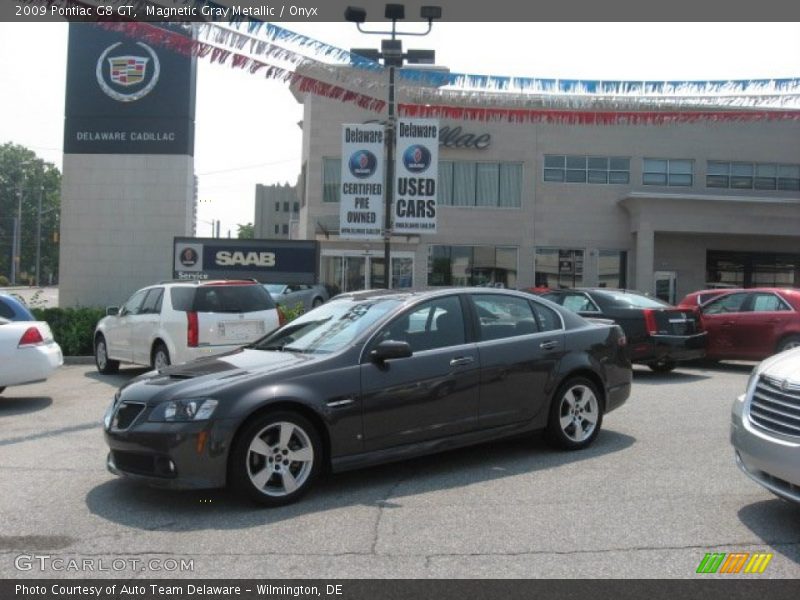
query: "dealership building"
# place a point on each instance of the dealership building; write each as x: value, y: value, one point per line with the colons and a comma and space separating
x: 663, y: 205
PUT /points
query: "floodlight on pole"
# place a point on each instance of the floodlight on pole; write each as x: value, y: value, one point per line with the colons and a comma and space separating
x: 393, y: 57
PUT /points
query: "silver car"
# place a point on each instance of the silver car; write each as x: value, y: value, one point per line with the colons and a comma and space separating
x: 290, y: 295
x: 765, y: 427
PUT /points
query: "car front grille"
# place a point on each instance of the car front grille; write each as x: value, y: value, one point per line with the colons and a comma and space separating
x: 126, y: 414
x: 775, y: 406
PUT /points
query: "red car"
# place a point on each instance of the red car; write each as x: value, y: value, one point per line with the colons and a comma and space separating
x: 751, y: 324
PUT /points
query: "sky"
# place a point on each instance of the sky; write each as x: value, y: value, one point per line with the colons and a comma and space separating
x: 246, y: 126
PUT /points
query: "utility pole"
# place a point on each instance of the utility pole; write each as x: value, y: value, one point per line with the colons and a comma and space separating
x: 15, y: 245
x: 39, y: 237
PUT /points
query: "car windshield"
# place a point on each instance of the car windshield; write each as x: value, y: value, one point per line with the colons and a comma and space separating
x: 274, y: 288
x: 329, y: 328
x: 635, y: 300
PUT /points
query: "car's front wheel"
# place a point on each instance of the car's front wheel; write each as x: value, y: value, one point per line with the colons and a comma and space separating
x: 276, y: 458
x: 104, y: 364
x: 576, y: 414
x: 317, y: 302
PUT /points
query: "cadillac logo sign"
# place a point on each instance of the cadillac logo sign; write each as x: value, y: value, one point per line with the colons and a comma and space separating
x: 127, y: 77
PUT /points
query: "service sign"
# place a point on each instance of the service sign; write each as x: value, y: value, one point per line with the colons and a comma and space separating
x: 268, y: 261
x: 416, y: 169
x: 361, y: 208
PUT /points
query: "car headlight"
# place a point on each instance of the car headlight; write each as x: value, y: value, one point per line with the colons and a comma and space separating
x: 197, y: 409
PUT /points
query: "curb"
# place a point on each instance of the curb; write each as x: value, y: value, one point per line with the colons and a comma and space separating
x: 79, y: 360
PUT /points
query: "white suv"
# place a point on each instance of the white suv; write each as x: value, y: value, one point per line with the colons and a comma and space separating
x: 175, y: 322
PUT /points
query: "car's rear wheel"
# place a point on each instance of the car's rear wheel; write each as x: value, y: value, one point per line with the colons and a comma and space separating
x: 276, y: 458
x: 576, y: 414
x: 2, y: 389
x: 104, y: 364
x: 662, y: 366
x: 160, y: 358
x: 317, y: 302
x: 789, y: 342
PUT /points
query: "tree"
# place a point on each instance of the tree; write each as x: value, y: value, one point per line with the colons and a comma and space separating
x: 246, y: 231
x: 21, y: 171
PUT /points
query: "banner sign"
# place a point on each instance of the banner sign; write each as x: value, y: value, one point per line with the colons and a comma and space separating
x: 268, y: 261
x: 361, y: 208
x: 126, y: 96
x: 416, y: 169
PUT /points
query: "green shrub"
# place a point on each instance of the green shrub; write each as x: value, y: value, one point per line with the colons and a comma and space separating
x: 4, y: 281
x: 73, y: 328
x: 290, y: 314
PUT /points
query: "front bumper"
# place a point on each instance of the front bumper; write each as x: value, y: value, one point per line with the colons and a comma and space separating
x: 771, y: 461
x: 667, y: 348
x: 191, y: 455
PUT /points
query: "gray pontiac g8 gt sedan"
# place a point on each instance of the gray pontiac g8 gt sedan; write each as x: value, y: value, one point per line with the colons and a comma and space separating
x: 367, y: 378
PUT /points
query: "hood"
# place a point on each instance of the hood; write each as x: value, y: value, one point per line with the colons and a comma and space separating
x: 206, y: 376
x: 785, y: 365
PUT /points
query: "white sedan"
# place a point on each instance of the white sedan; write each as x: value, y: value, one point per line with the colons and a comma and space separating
x: 28, y: 352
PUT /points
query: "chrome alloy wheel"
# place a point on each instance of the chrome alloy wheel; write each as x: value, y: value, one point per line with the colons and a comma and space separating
x: 578, y: 413
x: 280, y: 459
x: 101, y: 354
x: 160, y: 360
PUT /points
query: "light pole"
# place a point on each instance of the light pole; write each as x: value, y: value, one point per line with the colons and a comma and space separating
x: 392, y: 54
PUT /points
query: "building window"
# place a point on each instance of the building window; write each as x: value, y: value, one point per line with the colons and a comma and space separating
x: 667, y: 172
x: 494, y: 266
x: 752, y: 269
x: 285, y: 207
x: 612, y: 267
x: 277, y: 207
x: 277, y: 228
x: 331, y: 179
x: 558, y: 268
x: 749, y: 176
x: 480, y: 184
x: 586, y: 169
x: 285, y: 229
x: 296, y: 207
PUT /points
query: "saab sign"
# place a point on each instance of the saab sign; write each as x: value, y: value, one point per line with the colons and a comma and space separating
x: 268, y: 261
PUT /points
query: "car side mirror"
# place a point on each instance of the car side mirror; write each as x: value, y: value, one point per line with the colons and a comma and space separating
x: 112, y: 311
x: 390, y: 350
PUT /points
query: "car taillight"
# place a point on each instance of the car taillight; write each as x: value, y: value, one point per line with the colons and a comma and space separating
x: 650, y: 321
x: 193, y: 330
x: 281, y: 317
x: 31, y: 337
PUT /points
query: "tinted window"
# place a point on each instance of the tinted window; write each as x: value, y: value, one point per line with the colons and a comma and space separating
x: 578, y: 303
x: 182, y: 298
x: 726, y: 304
x: 548, y: 319
x: 434, y: 324
x: 628, y: 300
x: 131, y: 307
x: 232, y: 298
x: 5, y: 310
x: 768, y: 303
x: 152, y: 304
x: 504, y: 316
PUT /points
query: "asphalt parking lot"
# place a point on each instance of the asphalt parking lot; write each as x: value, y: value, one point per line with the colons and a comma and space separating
x: 655, y: 492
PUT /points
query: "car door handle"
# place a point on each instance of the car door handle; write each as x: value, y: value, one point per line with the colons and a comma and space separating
x: 548, y: 345
x: 461, y: 360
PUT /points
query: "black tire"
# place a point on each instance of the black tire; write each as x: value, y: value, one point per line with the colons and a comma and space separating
x: 317, y: 302
x: 570, y: 430
x: 663, y: 366
x: 247, y: 468
x: 105, y: 365
x: 2, y: 389
x: 159, y: 358
x: 790, y: 341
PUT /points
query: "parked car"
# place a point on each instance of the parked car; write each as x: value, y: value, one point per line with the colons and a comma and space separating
x: 370, y: 377
x: 752, y: 324
x: 765, y: 425
x: 28, y: 352
x: 175, y: 322
x: 659, y: 335
x: 13, y: 309
x: 290, y: 295
x: 696, y: 299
